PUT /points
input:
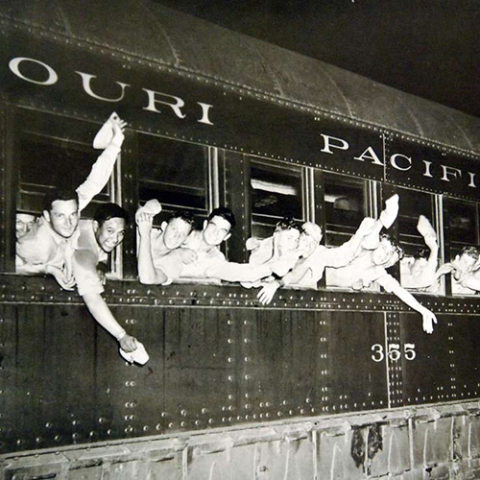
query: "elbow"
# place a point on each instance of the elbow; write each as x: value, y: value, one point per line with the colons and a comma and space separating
x: 148, y: 280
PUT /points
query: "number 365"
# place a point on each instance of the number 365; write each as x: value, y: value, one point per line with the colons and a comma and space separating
x: 394, y: 352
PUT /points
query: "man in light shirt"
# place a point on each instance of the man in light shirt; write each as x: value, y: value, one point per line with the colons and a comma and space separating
x: 98, y: 238
x: 155, y: 266
x: 49, y: 245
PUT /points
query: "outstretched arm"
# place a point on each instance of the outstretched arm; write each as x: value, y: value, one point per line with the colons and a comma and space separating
x: 391, y: 285
x: 90, y: 288
x: 238, y: 272
x: 101, y: 313
x: 471, y: 281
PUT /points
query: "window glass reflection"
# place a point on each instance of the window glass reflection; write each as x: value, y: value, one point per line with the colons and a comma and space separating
x: 276, y: 192
x: 344, y: 207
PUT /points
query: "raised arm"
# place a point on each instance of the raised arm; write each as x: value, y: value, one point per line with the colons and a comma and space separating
x: 148, y: 274
x: 102, y: 168
x: 341, y: 256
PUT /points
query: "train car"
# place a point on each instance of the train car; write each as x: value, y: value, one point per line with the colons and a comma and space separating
x: 325, y: 382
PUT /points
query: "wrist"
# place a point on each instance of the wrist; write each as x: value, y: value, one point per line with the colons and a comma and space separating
x: 121, y: 334
x: 117, y: 142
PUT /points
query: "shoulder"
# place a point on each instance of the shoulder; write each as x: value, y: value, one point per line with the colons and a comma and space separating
x: 38, y: 245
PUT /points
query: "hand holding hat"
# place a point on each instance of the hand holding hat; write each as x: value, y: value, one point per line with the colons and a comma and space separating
x: 111, y: 131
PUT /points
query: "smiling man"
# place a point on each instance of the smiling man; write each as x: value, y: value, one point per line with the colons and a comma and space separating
x: 155, y: 266
x: 45, y: 247
x: 98, y: 238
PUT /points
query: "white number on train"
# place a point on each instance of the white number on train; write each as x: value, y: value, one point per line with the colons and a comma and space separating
x: 394, y: 352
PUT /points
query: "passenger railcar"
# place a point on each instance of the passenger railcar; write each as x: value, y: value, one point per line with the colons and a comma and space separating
x: 216, y: 118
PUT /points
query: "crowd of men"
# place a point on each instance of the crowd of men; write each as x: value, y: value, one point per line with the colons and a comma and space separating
x: 75, y: 251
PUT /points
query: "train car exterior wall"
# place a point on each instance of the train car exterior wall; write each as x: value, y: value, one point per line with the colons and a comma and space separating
x: 319, y: 384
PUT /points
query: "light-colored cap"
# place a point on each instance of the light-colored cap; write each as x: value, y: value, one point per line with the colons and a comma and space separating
x: 313, y: 230
x: 139, y: 355
x: 153, y: 207
x: 105, y: 134
x: 425, y: 228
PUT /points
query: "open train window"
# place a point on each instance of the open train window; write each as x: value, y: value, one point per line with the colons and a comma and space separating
x: 345, y: 207
x: 53, y: 151
x: 413, y: 204
x: 276, y: 192
x: 461, y: 224
x: 416, y: 228
x: 175, y: 173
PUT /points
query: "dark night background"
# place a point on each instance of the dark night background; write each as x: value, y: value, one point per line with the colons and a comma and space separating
x: 429, y: 48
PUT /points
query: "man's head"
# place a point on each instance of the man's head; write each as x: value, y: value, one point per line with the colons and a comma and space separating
x: 286, y: 236
x: 387, y: 253
x: 60, y: 210
x: 23, y: 224
x: 310, y: 237
x: 177, y: 229
x: 466, y: 258
x: 216, y: 228
x: 109, y: 224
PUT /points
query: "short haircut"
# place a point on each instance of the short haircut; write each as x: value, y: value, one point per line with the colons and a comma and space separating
x: 421, y: 253
x: 63, y: 194
x: 394, y: 244
x: 287, y: 223
x: 225, y: 213
x: 107, y: 211
x: 187, y: 217
x: 471, y: 251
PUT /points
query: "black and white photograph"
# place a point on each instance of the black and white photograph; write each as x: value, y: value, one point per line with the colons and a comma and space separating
x: 239, y: 240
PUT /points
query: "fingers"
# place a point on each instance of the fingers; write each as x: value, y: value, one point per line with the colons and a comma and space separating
x: 264, y: 296
x: 143, y: 217
x: 128, y: 343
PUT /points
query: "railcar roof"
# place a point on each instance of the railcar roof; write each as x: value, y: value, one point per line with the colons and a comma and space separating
x: 147, y: 30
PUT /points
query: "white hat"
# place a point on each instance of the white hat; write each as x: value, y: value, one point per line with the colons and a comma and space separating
x: 152, y: 207
x: 105, y: 134
x: 139, y: 355
x: 425, y: 228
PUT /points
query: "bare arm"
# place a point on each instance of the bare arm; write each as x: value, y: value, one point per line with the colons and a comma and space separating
x: 90, y: 288
x: 238, y: 272
x: 389, y: 283
x: 148, y: 274
x: 471, y: 281
x: 102, y: 168
x: 345, y: 253
x: 101, y: 313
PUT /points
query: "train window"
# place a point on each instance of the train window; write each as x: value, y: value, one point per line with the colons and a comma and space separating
x: 345, y: 202
x: 46, y: 163
x: 175, y: 173
x: 276, y: 192
x: 56, y: 152
x: 461, y: 224
x: 413, y: 204
x: 416, y: 235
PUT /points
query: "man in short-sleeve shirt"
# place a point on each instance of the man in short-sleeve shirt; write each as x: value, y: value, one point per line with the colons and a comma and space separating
x: 97, y: 239
x: 51, y: 240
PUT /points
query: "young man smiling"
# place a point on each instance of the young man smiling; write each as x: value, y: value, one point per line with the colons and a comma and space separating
x: 45, y: 247
x: 98, y: 238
